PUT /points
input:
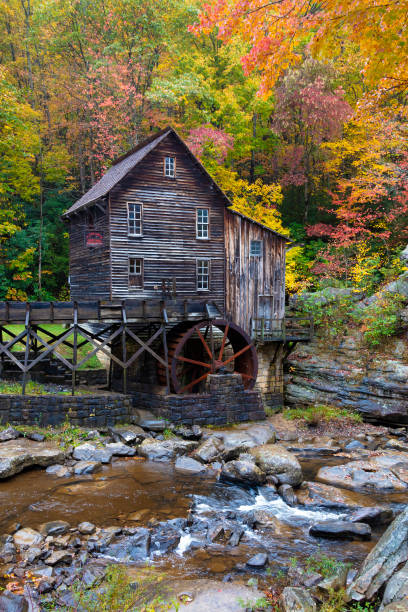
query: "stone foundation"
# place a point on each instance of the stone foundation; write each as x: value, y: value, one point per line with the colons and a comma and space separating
x: 270, y: 381
x: 224, y: 401
x: 80, y: 410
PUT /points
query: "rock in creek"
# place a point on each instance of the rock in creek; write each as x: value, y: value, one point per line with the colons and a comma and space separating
x: 236, y: 442
x: 61, y: 471
x: 287, y: 494
x: 258, y: 561
x: 16, y: 455
x: 372, y: 516
x: 86, y: 528
x: 209, y: 450
x: 120, y: 449
x: 314, y: 494
x: 7, y: 549
x: 130, y: 548
x: 335, y: 581
x: 90, y: 452
x: 148, y: 421
x: 397, y: 588
x: 87, y: 467
x: 129, y: 435
x: 242, y: 472
x: 295, y: 599
x: 341, y: 530
x: 59, y: 557
x: 382, y: 561
x: 165, y: 450
x: 189, y: 433
x: 189, y: 465
x: 54, y: 528
x: 27, y: 537
x: 276, y: 460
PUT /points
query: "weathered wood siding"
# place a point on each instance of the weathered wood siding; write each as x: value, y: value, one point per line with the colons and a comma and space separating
x: 89, y: 268
x: 169, y: 246
x: 255, y: 286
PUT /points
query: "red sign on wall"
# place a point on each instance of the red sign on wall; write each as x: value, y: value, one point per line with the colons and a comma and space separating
x: 93, y: 239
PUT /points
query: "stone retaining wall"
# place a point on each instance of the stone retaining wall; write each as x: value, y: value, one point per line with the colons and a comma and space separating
x: 80, y: 410
x: 224, y: 401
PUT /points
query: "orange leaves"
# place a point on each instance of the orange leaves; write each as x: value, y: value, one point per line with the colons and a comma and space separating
x: 277, y: 30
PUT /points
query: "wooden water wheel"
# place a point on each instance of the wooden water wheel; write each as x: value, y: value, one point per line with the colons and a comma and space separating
x: 196, y: 350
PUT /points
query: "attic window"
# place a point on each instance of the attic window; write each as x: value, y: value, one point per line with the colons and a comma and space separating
x: 170, y: 167
x: 256, y: 248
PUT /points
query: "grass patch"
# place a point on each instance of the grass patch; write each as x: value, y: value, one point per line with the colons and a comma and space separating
x: 119, y: 592
x: 65, y: 436
x: 324, y: 565
x: 313, y: 415
x: 35, y: 388
x: 64, y: 351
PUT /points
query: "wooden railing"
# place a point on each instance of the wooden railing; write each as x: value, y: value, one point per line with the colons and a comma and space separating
x: 289, y: 329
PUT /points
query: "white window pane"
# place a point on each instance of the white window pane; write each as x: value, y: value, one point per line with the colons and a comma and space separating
x: 202, y: 223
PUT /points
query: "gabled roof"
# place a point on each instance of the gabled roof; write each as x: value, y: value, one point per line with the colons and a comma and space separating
x: 124, y: 164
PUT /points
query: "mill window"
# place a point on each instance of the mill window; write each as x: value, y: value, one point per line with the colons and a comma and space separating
x: 203, y: 223
x: 135, y: 212
x: 170, y: 167
x: 256, y: 248
x: 203, y: 274
x: 136, y: 272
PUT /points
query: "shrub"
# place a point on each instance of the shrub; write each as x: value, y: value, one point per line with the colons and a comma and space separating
x: 313, y: 415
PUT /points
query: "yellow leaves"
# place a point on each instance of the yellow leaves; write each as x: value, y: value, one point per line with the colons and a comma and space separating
x: 256, y: 200
x: 293, y: 279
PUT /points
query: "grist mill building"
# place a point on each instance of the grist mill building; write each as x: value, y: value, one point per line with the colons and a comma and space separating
x: 184, y: 296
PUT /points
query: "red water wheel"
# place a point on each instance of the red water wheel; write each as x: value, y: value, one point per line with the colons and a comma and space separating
x: 197, y: 350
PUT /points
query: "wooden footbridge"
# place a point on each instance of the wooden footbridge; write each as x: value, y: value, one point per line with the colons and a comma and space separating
x: 188, y: 339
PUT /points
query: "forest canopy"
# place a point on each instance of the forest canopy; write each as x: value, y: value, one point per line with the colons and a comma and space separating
x: 298, y: 110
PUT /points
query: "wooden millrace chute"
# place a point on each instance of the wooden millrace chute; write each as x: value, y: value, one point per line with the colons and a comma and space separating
x: 196, y: 350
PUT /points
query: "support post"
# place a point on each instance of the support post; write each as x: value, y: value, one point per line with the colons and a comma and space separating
x: 166, y: 351
x: 124, y: 352
x: 75, y: 348
x: 27, y: 347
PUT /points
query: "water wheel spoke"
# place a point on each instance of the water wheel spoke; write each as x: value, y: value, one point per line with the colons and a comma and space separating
x: 200, y: 335
x: 235, y: 355
x: 194, y: 382
x: 246, y: 375
x: 223, y: 342
x: 193, y: 361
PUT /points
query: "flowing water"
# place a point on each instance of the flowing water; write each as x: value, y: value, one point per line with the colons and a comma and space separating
x: 138, y: 493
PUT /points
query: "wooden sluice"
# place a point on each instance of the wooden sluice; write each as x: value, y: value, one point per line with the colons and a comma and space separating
x: 141, y: 321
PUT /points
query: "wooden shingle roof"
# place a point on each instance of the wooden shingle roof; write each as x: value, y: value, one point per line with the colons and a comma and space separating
x: 125, y: 164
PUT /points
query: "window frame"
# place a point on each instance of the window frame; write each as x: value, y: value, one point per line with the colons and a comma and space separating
x: 260, y: 242
x: 208, y: 262
x: 208, y: 224
x: 128, y: 204
x: 170, y: 176
x: 132, y: 274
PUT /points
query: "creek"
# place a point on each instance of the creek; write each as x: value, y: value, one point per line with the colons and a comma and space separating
x: 142, y: 493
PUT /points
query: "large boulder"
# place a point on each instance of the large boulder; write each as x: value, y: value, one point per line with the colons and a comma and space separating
x: 9, y: 434
x: 239, y: 441
x: 341, y: 530
x: 380, y: 564
x: 130, y: 548
x: 209, y: 450
x: 16, y: 455
x: 188, y: 465
x: 379, y: 473
x: 315, y: 494
x: 275, y: 460
x: 11, y: 602
x: 243, y: 472
x: 397, y: 588
x: 134, y: 434
x: 165, y: 450
x: 123, y: 450
x: 27, y: 537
